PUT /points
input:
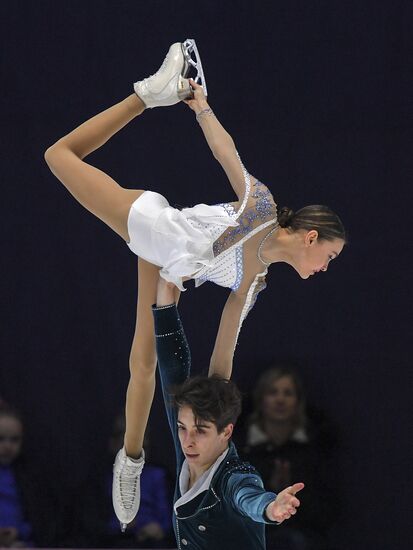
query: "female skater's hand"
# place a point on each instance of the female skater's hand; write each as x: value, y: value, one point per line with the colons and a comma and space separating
x: 285, y: 505
x: 198, y: 101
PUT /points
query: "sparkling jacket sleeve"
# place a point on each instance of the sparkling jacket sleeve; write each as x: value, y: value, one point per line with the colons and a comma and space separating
x: 248, y: 496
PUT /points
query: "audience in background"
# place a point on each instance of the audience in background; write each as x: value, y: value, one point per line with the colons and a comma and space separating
x: 285, y: 442
x: 25, y: 518
x: 98, y: 525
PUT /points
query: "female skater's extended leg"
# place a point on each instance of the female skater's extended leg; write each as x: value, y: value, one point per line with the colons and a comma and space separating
x: 94, y: 189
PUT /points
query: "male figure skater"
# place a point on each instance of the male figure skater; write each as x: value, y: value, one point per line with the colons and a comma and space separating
x: 219, y: 501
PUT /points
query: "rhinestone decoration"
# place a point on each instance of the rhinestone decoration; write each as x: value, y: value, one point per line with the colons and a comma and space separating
x: 239, y: 262
x: 264, y: 209
x: 227, y: 269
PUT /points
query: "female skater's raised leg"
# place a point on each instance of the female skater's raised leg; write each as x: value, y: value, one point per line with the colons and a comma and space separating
x: 94, y: 189
x: 91, y: 187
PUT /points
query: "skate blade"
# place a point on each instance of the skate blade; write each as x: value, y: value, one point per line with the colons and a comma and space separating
x: 189, y: 47
x: 187, y: 67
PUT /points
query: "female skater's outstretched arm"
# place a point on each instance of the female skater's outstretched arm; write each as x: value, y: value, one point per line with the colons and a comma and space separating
x: 225, y: 342
x: 223, y: 148
x: 218, y: 139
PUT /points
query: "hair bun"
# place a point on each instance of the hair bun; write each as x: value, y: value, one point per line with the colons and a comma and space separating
x: 285, y: 216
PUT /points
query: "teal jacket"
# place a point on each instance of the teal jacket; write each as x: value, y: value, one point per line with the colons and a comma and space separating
x: 231, y: 513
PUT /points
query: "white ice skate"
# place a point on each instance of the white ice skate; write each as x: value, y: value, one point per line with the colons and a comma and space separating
x: 126, y: 490
x: 170, y: 84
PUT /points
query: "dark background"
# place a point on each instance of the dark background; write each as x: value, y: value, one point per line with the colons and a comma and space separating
x: 317, y: 95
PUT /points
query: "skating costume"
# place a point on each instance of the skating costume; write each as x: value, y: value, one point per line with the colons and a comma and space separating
x: 225, y: 508
x: 203, y: 242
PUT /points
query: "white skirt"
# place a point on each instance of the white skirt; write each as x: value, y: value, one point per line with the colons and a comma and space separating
x: 178, y: 241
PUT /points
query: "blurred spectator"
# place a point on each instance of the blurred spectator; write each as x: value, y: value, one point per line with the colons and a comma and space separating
x: 285, y: 443
x: 25, y: 518
x: 98, y: 525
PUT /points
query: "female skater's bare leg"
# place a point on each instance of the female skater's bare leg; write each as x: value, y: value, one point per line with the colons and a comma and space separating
x: 142, y: 361
x: 91, y: 187
x: 130, y: 459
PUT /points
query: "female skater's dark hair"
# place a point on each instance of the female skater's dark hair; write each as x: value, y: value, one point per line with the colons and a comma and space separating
x: 318, y: 217
x: 212, y: 399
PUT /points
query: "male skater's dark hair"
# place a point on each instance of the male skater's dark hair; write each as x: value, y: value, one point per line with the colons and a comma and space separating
x: 212, y: 399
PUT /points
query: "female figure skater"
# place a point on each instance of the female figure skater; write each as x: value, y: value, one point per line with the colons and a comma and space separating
x: 231, y: 244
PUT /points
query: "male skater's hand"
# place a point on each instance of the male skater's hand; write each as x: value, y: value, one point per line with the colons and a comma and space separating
x: 285, y: 505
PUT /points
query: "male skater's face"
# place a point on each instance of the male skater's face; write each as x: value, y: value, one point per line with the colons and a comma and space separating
x: 201, y: 443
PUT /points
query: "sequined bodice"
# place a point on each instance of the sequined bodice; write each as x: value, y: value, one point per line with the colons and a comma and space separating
x: 257, y: 212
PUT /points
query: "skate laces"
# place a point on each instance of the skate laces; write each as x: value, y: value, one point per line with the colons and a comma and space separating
x: 128, y: 482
